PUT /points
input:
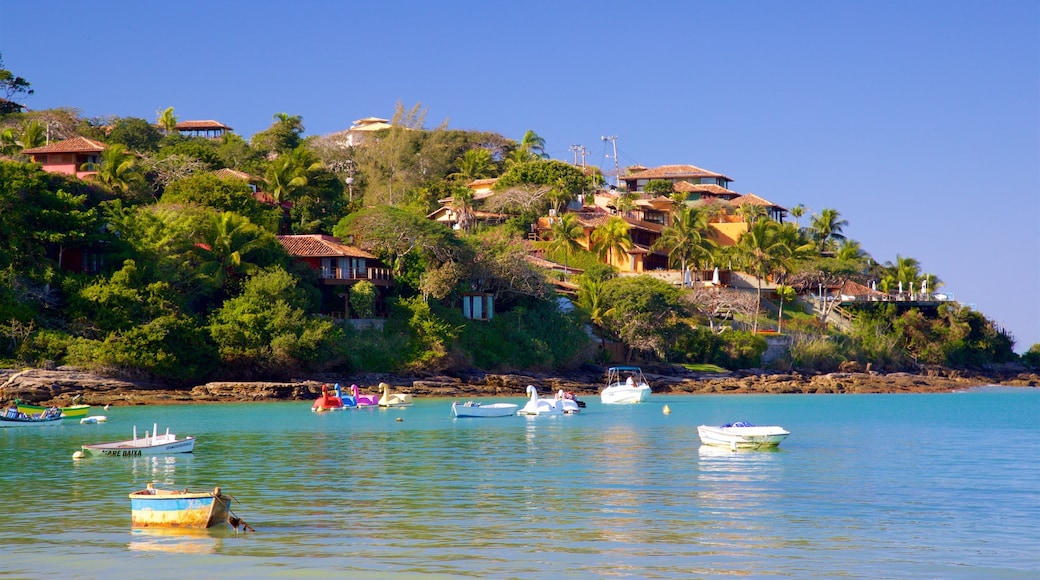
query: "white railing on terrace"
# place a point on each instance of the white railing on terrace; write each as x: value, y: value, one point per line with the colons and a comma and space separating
x: 356, y: 274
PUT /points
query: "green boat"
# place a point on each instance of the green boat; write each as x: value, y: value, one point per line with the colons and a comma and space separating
x: 70, y: 412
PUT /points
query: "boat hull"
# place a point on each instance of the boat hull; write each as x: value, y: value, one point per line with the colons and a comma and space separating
x: 622, y: 394
x: 30, y: 422
x: 491, y: 410
x: 74, y: 411
x: 754, y: 437
x: 136, y: 449
x: 178, y: 509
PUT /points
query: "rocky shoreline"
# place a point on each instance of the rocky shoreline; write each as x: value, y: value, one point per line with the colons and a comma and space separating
x: 59, y: 386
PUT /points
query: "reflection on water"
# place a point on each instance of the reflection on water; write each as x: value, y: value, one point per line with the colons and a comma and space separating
x: 176, y: 540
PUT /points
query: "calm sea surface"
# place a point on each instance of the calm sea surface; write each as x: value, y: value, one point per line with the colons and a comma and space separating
x: 866, y: 486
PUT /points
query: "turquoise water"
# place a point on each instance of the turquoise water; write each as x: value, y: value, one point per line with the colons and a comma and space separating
x: 866, y: 486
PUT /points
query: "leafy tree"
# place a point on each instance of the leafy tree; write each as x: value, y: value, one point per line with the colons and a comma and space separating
x: 640, y: 307
x: 398, y: 237
x: 12, y: 86
x: 264, y: 331
x: 201, y: 148
x: 430, y: 336
x: 564, y: 181
x: 498, y: 265
x: 284, y: 135
x: 226, y: 195
x: 1032, y: 356
x: 656, y: 187
x: 135, y: 134
x: 318, y: 205
x: 611, y: 240
x: 363, y: 299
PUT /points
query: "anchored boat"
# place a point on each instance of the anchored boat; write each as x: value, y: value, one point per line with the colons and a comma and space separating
x: 151, y: 507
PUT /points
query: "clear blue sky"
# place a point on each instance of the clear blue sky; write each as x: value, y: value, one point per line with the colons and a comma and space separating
x: 918, y: 121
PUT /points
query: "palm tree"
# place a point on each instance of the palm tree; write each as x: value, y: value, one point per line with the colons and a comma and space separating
x: 462, y: 205
x: 797, y: 212
x: 290, y: 172
x: 532, y: 142
x: 798, y: 248
x: 566, y: 231
x: 224, y: 248
x: 34, y: 134
x: 611, y: 239
x: 687, y: 240
x: 474, y: 164
x: 9, y: 142
x: 751, y: 212
x: 118, y: 168
x: 760, y: 251
x: 590, y: 301
x: 167, y: 121
x: 827, y: 226
x: 518, y: 156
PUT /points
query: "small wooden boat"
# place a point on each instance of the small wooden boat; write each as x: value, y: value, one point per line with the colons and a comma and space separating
x: 14, y: 418
x: 153, y: 507
x: 154, y: 444
x: 74, y: 411
x: 742, y: 435
x: 475, y: 409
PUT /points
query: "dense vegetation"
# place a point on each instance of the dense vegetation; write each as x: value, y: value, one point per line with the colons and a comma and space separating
x: 183, y: 279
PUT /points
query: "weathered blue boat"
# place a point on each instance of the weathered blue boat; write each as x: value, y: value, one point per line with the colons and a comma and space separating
x: 153, y: 507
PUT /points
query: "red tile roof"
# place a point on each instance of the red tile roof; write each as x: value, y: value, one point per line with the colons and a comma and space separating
x: 201, y: 126
x: 320, y: 246
x: 673, y: 172
x: 709, y: 188
x: 76, y: 144
x: 754, y: 200
x: 227, y: 173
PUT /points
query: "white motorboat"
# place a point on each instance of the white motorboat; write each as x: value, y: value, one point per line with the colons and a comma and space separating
x: 476, y: 409
x: 151, y: 444
x: 742, y: 435
x: 536, y: 406
x: 625, y: 385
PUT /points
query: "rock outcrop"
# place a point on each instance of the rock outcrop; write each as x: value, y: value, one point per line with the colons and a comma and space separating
x: 59, y: 386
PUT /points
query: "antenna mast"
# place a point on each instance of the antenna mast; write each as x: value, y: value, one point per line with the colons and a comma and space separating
x: 617, y: 170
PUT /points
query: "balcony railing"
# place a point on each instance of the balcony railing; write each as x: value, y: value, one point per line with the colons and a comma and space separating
x: 371, y: 274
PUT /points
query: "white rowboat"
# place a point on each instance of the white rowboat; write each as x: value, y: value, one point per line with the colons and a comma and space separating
x: 154, y: 444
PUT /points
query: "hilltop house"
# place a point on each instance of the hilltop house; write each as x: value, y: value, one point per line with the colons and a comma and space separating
x: 77, y: 156
x: 339, y: 266
x: 209, y: 129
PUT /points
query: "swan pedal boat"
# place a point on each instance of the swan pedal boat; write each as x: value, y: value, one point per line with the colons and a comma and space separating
x: 558, y: 406
x: 742, y: 435
x: 154, y: 444
x: 164, y: 508
x: 389, y: 399
x: 474, y: 409
x: 619, y: 390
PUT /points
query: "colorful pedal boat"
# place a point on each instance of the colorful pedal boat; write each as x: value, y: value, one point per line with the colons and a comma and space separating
x: 152, y: 508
